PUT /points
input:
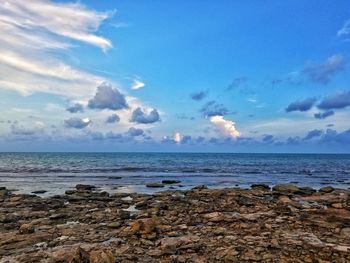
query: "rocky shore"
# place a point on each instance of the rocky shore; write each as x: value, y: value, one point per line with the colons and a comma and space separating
x: 283, y: 224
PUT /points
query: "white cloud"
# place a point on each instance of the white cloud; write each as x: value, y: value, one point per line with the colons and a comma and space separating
x: 224, y: 126
x: 345, y: 30
x: 34, y: 33
x: 137, y: 84
x: 177, y: 137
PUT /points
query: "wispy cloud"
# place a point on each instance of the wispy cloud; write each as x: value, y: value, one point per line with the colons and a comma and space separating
x: 322, y: 72
x: 137, y: 84
x: 345, y: 30
x: 198, y: 96
x: 33, y: 33
x: 323, y: 115
x: 213, y: 108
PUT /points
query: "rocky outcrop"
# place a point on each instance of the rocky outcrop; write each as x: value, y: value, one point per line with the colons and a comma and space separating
x: 287, y: 224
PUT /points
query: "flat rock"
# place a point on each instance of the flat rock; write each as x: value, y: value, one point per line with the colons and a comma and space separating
x: 326, y: 189
x: 155, y: 185
x: 85, y: 187
x: 39, y: 192
x: 171, y: 181
x: 264, y: 187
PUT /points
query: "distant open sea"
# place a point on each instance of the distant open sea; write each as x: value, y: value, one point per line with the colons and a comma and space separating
x: 57, y: 172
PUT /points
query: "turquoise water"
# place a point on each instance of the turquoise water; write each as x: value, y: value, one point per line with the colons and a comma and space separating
x: 57, y: 172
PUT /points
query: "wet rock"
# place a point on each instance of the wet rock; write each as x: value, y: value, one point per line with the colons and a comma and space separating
x: 39, y: 192
x: 305, y: 191
x: 85, y: 187
x: 4, y: 192
x: 124, y: 214
x: 263, y: 187
x: 200, y: 187
x: 326, y: 189
x: 285, y: 189
x: 155, y: 185
x: 70, y: 192
x: 171, y: 181
x: 115, y: 177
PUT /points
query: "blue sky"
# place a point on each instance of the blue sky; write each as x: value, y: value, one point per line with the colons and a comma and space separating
x: 235, y: 76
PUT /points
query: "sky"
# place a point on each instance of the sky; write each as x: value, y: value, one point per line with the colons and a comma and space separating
x: 182, y: 76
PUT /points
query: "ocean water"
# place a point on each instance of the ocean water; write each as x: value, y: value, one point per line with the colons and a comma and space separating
x: 57, y: 172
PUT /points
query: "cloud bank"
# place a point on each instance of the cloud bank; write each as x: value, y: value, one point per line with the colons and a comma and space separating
x: 301, y: 105
x: 339, y: 100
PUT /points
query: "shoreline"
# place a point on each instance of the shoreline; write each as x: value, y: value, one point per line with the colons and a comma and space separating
x: 285, y: 224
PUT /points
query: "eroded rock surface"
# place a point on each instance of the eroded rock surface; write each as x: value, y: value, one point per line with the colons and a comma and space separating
x: 287, y: 224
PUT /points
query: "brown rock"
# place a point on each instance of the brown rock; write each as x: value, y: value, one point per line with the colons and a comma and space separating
x: 145, y: 227
x: 170, y: 245
x: 26, y: 229
x: 102, y: 256
x: 80, y: 256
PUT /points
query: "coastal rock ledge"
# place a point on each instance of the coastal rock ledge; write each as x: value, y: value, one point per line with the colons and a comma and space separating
x: 285, y: 224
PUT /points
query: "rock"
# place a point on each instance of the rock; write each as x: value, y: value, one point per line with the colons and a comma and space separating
x: 337, y: 205
x: 141, y: 205
x: 209, y: 225
x: 214, y: 217
x: 285, y: 199
x: 326, y: 189
x: 114, y: 225
x: 80, y: 256
x: 70, y: 192
x: 155, y: 185
x: 85, y: 187
x: 170, y: 245
x: 231, y: 255
x: 171, y: 181
x: 4, y: 192
x: 345, y: 232
x: 305, y: 191
x: 115, y: 177
x: 124, y: 214
x: 263, y: 187
x: 26, y: 229
x: 102, y: 256
x: 58, y: 216
x: 285, y: 189
x: 39, y: 192
x: 145, y: 227
x: 200, y: 187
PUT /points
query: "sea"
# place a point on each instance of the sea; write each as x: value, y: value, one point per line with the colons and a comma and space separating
x: 130, y: 172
